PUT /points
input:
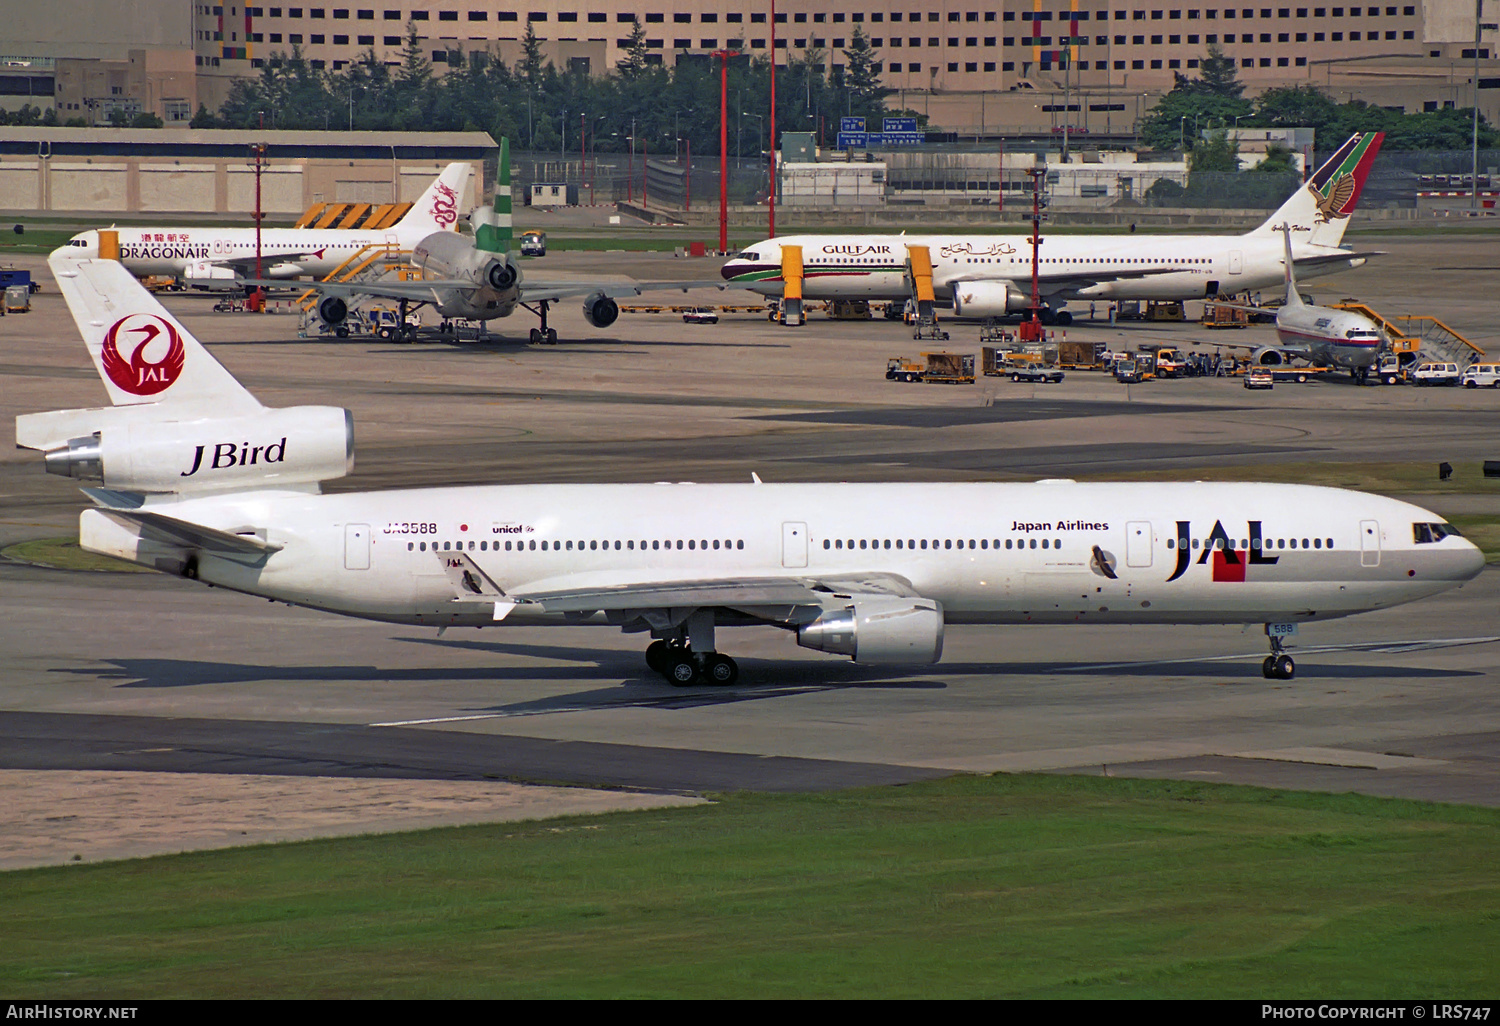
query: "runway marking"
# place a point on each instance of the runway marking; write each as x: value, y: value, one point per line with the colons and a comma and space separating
x: 440, y: 719
x: 1384, y: 647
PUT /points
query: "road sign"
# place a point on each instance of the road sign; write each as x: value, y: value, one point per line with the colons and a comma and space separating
x: 851, y: 124
x: 899, y: 125
x: 854, y: 140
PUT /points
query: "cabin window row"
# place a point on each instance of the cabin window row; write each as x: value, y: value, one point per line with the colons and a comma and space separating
x: 939, y: 543
x: 594, y: 545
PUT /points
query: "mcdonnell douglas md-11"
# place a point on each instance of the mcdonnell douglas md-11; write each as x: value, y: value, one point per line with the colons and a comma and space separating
x: 192, y: 476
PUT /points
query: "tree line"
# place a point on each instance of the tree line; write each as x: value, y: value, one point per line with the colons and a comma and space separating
x: 1214, y: 101
x: 540, y: 106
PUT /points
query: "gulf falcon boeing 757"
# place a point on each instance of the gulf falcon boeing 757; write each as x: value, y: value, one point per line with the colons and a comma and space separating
x: 196, y: 478
x: 990, y: 275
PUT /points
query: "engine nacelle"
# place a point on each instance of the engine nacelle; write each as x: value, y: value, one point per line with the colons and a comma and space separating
x: 272, y: 448
x: 1270, y: 356
x: 879, y: 630
x: 600, y: 311
x: 333, y: 310
x: 501, y: 275
x: 987, y: 299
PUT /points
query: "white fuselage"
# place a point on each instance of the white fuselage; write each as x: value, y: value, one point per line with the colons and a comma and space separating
x: 988, y: 553
x: 199, y: 253
x: 1334, y: 338
x: 874, y: 266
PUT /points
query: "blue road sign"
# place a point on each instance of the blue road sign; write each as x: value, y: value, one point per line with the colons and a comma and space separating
x: 851, y: 124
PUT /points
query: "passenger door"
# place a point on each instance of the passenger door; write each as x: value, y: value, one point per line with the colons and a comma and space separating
x: 1138, y: 543
x: 794, y: 544
x: 356, y: 546
x: 1369, y: 543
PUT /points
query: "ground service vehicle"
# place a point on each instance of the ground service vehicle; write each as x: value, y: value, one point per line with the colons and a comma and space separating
x: 1128, y: 371
x: 534, y: 244
x: 1260, y: 377
x: 18, y: 299
x: 1435, y: 373
x: 936, y: 368
x: 1037, y: 373
x: 701, y: 315
x: 1482, y: 375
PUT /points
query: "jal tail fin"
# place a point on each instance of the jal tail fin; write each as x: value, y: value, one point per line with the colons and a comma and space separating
x: 143, y: 353
x: 1319, y: 210
x: 1293, y: 297
x: 497, y: 231
x: 437, y: 208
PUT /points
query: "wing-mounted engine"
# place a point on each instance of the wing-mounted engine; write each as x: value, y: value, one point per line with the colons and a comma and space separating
x: 878, y: 629
x: 137, y: 452
x: 987, y: 299
x: 1270, y: 356
x: 600, y: 311
x: 333, y: 311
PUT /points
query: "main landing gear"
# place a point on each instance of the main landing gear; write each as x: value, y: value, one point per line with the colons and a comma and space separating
x: 1278, y: 665
x: 687, y: 657
x: 683, y: 667
x: 543, y: 335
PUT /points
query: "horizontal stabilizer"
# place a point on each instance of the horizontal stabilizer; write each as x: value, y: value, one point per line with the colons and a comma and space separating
x: 189, y: 535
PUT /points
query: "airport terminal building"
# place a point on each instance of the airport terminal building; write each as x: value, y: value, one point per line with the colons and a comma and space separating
x: 973, y: 67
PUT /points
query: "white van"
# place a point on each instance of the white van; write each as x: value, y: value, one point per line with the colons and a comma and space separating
x: 1486, y: 375
x: 1435, y: 373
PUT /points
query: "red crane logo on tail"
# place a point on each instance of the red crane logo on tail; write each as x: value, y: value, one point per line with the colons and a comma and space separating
x: 136, y: 373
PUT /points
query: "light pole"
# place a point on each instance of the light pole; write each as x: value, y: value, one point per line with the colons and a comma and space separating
x: 723, y: 56
x: 771, y: 197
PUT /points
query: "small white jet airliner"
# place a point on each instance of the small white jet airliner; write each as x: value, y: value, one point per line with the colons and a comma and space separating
x: 196, y: 253
x: 197, y: 478
x: 990, y: 275
x: 1321, y: 334
x: 479, y: 278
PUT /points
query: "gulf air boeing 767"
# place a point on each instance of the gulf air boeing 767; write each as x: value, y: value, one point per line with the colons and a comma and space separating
x: 990, y: 275
x: 192, y: 476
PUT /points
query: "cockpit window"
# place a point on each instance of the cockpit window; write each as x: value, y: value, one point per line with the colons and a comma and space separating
x: 1425, y: 534
x: 749, y: 254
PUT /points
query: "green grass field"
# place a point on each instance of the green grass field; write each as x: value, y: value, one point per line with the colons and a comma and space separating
x: 1025, y: 886
x: 64, y: 554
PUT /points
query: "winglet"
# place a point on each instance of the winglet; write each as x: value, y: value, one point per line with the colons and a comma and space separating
x: 495, y: 236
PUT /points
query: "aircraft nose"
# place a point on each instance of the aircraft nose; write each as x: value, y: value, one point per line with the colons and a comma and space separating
x: 1471, y: 561
x: 729, y: 270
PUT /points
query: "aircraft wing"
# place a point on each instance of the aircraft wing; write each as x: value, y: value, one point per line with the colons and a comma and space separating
x: 738, y: 593
x: 415, y: 291
x: 542, y: 291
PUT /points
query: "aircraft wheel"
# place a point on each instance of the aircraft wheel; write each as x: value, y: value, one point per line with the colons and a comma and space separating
x: 535, y: 336
x: 552, y: 336
x: 721, y: 670
x: 656, y: 656
x: 341, y: 332
x: 1064, y: 318
x: 682, y: 670
x: 1268, y: 667
x: 1284, y: 668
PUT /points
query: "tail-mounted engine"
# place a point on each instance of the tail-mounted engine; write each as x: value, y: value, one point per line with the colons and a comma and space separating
x: 273, y: 448
x: 501, y: 275
x: 600, y: 311
x: 879, y: 630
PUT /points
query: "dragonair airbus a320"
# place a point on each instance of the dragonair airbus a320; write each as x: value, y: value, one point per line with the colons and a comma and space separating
x: 192, y: 476
x: 201, y: 254
x: 990, y: 275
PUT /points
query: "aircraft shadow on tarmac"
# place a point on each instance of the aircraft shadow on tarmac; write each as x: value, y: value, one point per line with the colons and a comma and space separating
x: 497, y: 344
x: 761, y: 679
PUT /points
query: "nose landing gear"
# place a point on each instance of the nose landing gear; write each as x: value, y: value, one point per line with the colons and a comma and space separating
x: 1278, y: 665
